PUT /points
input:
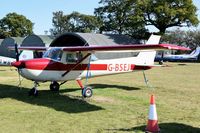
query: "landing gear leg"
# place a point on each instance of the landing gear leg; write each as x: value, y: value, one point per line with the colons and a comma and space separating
x: 86, y: 90
x: 34, y: 91
x: 162, y: 59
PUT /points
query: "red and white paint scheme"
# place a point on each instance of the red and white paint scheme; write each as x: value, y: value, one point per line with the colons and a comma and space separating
x: 61, y: 64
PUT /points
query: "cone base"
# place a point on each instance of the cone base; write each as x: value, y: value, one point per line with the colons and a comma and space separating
x: 152, y: 126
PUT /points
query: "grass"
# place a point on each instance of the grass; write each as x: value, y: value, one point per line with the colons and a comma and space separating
x: 120, y: 103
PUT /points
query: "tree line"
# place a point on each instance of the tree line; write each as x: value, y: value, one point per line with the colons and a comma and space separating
x: 128, y: 17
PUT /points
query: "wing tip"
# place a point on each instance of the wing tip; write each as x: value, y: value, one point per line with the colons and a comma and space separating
x: 174, y: 47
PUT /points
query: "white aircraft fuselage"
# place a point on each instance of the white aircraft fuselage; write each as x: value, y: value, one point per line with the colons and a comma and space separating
x: 46, y: 69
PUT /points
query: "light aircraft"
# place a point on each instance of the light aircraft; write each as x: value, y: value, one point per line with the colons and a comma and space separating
x: 61, y: 64
x: 193, y: 56
x: 24, y: 55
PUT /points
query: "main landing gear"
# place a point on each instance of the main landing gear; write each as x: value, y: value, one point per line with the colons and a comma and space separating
x: 54, y: 86
x: 86, y: 90
x: 34, y: 91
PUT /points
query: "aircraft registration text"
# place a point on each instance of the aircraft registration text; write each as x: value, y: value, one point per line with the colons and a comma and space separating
x: 119, y: 67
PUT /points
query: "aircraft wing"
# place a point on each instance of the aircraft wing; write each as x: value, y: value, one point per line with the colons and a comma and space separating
x: 135, y: 47
x: 125, y: 47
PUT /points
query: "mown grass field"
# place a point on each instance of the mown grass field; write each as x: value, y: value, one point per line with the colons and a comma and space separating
x: 120, y: 103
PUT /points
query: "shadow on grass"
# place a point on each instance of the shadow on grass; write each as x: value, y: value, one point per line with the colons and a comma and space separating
x: 182, y: 64
x: 164, y: 128
x: 46, y: 98
x: 104, y: 86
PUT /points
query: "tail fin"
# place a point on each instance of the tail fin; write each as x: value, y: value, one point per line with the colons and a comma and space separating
x: 147, y: 57
x: 196, y: 52
x: 26, y: 54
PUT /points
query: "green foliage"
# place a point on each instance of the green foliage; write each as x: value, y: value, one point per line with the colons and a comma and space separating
x: 15, y: 25
x: 185, y: 38
x: 74, y: 22
x: 130, y: 16
x: 192, y: 38
x: 58, y: 23
x: 120, y: 17
x: 174, y: 37
x: 168, y: 13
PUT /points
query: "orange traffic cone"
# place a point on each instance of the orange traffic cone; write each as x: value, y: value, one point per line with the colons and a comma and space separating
x: 152, y: 125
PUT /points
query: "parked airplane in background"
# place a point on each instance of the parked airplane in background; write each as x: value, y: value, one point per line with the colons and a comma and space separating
x: 193, y: 56
x: 6, y: 61
x: 61, y: 64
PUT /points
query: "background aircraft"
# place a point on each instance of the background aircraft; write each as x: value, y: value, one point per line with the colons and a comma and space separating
x: 61, y: 64
x: 193, y: 56
x: 24, y: 55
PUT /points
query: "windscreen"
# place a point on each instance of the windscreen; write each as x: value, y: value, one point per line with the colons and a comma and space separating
x: 54, y: 54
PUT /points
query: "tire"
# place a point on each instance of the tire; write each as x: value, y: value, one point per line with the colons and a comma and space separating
x: 161, y: 62
x: 54, y: 86
x: 87, y: 92
x: 33, y: 92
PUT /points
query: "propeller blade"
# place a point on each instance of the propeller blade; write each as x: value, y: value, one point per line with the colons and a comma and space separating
x: 17, y: 59
x: 16, y: 52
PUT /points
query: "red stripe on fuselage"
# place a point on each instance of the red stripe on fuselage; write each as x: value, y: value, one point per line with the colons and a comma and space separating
x: 47, y: 64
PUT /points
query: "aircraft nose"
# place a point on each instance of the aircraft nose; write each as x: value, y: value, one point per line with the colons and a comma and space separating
x: 18, y: 64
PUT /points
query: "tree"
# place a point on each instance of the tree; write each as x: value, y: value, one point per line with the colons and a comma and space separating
x: 74, y: 22
x: 167, y: 13
x: 118, y: 16
x: 185, y: 38
x: 82, y: 23
x: 192, y: 38
x: 14, y: 25
x: 60, y: 24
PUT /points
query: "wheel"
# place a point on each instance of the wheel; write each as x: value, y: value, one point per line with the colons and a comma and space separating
x: 54, y: 86
x: 33, y: 92
x: 87, y: 92
x: 161, y: 62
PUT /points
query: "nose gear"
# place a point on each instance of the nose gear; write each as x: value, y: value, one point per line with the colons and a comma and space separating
x: 34, y: 91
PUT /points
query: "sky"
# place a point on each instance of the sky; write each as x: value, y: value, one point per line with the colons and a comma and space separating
x: 40, y: 12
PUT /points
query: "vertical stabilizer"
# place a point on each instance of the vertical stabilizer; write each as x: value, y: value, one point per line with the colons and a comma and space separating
x: 196, y: 52
x: 153, y: 39
x: 147, y: 57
